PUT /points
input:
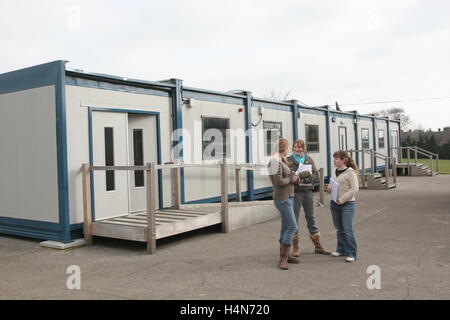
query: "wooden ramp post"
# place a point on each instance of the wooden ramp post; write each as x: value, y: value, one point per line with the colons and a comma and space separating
x: 176, y: 183
x: 394, y: 171
x: 151, y: 208
x: 224, y: 194
x: 322, y: 188
x: 237, y: 174
x: 87, y: 214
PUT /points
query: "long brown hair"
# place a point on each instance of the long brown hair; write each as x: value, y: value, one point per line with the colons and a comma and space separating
x: 348, y: 161
x: 301, y: 143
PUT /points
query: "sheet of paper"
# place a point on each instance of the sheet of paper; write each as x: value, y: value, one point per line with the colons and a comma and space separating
x: 334, y: 190
x: 303, y: 167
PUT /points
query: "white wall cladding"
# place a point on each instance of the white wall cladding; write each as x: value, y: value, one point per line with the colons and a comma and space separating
x: 29, y: 182
x: 78, y: 100
x: 273, y: 115
x: 320, y: 158
x: 203, y: 183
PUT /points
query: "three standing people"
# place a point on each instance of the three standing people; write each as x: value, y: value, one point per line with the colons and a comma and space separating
x: 291, y: 192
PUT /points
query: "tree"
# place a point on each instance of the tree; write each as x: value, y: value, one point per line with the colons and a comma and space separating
x: 278, y: 95
x: 396, y: 113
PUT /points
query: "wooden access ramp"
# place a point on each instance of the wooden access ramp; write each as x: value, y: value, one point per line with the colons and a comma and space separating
x: 168, y: 223
x: 155, y: 224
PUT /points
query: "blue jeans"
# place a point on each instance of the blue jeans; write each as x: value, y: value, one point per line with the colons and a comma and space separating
x: 289, y: 227
x: 343, y: 222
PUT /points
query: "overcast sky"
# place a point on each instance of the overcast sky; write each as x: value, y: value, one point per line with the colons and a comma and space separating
x: 350, y: 51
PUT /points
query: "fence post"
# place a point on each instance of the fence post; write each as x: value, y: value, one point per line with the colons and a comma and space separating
x: 87, y: 214
x: 415, y: 153
x: 372, y: 161
x: 394, y: 170
x: 408, y: 149
x: 176, y: 183
x: 363, y: 162
x: 437, y: 162
x: 386, y: 172
x: 224, y: 194
x: 431, y: 163
x: 321, y: 202
x: 151, y: 208
x: 237, y: 174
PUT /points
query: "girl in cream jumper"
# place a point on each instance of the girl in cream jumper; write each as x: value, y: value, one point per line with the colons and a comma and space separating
x: 343, y: 211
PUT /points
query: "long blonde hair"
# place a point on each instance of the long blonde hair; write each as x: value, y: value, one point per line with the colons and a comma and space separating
x: 281, y: 146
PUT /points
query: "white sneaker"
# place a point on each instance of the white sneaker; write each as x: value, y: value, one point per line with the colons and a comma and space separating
x: 337, y: 254
x: 350, y: 259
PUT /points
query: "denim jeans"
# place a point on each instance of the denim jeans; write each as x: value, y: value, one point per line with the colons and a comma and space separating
x: 289, y: 227
x: 343, y: 222
x: 306, y: 199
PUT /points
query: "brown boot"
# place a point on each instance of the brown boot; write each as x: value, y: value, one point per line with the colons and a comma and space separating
x: 295, y: 246
x: 318, y: 247
x: 284, y: 255
x: 291, y: 258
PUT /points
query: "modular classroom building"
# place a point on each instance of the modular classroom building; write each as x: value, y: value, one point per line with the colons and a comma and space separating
x: 52, y: 120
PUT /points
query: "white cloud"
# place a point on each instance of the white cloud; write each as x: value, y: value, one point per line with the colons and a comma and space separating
x: 346, y: 50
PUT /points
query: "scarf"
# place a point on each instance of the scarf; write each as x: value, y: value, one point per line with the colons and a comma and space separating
x: 299, y: 159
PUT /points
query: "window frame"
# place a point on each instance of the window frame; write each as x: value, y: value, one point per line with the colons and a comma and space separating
x: 226, y: 142
x: 267, y: 152
x: 141, y: 172
x: 362, y: 138
x: 109, y: 173
x: 307, y: 142
x: 384, y: 139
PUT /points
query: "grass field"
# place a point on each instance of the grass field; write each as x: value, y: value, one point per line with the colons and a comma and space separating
x: 444, y: 164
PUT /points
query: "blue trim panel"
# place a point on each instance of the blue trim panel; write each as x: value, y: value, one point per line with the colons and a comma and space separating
x: 249, y: 144
x: 389, y: 142
x: 177, y: 117
x: 375, y: 141
x: 295, y: 119
x: 357, y: 138
x: 29, y: 78
x: 328, y: 130
x: 61, y: 145
x: 31, y: 228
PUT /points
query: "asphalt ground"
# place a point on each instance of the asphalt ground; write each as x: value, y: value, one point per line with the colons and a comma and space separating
x: 405, y: 232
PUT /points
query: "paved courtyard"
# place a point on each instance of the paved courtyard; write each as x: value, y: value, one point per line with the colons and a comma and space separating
x: 405, y: 232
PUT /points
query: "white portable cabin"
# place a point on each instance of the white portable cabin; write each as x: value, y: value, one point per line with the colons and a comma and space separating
x: 53, y: 120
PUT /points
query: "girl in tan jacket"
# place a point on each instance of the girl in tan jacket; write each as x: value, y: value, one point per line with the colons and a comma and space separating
x: 283, y: 180
x: 343, y: 211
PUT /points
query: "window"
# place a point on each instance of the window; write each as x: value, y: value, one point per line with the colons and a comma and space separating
x: 365, y: 138
x: 109, y: 158
x: 342, y: 138
x: 215, y: 138
x: 312, y: 138
x: 272, y: 132
x: 138, y: 150
x: 380, y: 138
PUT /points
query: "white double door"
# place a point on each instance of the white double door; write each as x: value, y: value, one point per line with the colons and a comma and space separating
x: 121, y: 139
